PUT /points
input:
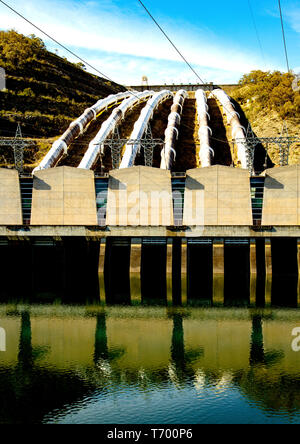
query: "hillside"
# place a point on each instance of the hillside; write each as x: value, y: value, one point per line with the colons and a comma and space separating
x: 44, y: 92
x: 269, y: 102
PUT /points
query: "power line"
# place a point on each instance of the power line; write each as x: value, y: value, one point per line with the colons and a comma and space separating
x: 168, y: 38
x: 256, y: 31
x: 63, y: 46
x: 177, y: 50
x: 283, y: 35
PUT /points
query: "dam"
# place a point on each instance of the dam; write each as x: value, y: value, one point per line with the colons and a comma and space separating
x: 142, y: 182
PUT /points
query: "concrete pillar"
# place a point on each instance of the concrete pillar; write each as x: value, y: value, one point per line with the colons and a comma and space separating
x: 184, y: 272
x: 284, y: 272
x: 169, y: 273
x: 101, y: 269
x: 268, y: 258
x: 116, y: 270
x: 135, y: 270
x: 153, y: 272
x: 218, y: 272
x: 260, y: 272
x: 200, y: 272
x: 252, y: 273
x: 236, y: 273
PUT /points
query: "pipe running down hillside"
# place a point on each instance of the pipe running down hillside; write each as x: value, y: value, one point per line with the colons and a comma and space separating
x: 76, y: 128
x: 168, y: 153
x: 91, y: 155
x: 237, y: 130
x: 140, y: 127
x: 206, y: 153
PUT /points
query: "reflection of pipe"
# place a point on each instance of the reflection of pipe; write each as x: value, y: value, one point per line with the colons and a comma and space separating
x: 168, y: 153
x: 177, y: 348
x: 206, y: 153
x: 107, y: 127
x: 101, y: 349
x: 60, y: 146
x: 25, y: 357
x: 237, y: 130
x: 140, y: 127
x: 257, y: 353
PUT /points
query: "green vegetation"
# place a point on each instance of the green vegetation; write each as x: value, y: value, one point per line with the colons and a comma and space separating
x: 269, y: 90
x: 44, y: 91
x: 269, y: 102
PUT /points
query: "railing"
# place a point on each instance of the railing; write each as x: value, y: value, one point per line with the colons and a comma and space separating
x: 26, y: 185
x: 101, y: 187
x: 178, y: 187
x: 257, y: 197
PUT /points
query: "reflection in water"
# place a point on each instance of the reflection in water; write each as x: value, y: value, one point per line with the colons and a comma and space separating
x: 101, y: 349
x: 185, y: 365
x: 257, y: 353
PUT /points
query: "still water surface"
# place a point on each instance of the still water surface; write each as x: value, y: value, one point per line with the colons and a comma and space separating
x: 155, y: 365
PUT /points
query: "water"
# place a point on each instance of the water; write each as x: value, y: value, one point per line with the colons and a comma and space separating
x: 149, y: 365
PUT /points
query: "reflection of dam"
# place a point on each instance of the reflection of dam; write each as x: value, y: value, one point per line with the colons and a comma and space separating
x: 62, y: 355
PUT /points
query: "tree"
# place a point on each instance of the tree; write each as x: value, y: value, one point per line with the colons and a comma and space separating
x: 16, y: 49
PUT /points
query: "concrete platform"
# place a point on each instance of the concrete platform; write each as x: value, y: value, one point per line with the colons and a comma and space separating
x: 139, y: 196
x: 64, y: 196
x: 96, y: 232
x: 10, y: 198
x: 282, y: 196
x: 218, y: 196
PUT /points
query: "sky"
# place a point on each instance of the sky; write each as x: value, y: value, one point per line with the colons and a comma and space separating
x: 222, y: 40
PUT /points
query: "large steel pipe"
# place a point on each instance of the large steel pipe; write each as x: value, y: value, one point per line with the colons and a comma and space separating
x: 237, y: 130
x: 168, y: 153
x: 206, y: 153
x: 60, y: 146
x: 91, y: 155
x: 140, y: 127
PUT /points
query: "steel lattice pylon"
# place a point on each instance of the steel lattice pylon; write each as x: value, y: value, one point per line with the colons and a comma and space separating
x: 284, y: 143
x: 18, y: 144
x: 115, y: 144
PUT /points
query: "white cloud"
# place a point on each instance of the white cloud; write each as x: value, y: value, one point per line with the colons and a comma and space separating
x: 293, y: 17
x: 118, y: 42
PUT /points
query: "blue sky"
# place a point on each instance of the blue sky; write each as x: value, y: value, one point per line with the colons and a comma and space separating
x: 116, y: 36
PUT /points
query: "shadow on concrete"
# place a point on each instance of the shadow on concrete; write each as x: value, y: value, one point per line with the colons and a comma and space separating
x: 273, y: 184
x: 116, y: 184
x: 193, y: 184
x: 39, y: 184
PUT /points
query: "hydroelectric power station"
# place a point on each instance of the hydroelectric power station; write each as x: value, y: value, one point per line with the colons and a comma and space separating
x: 173, y: 185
